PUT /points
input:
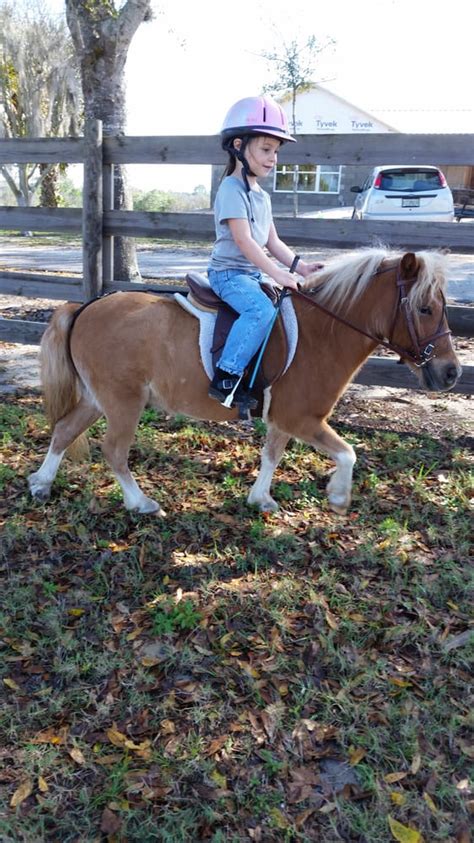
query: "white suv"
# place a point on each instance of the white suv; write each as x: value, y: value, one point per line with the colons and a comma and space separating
x: 404, y: 193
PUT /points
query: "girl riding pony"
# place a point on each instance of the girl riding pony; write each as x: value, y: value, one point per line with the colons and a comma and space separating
x: 253, y: 132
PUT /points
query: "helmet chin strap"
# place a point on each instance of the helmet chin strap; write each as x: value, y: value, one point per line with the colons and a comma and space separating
x: 246, y: 171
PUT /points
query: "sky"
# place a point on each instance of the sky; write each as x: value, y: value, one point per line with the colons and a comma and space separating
x: 187, y: 66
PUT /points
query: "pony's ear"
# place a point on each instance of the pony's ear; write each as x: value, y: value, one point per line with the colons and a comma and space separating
x: 409, y: 265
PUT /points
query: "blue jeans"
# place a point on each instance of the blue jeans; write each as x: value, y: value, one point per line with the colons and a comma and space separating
x: 243, y: 293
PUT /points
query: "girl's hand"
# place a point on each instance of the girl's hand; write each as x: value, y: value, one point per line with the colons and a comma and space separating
x: 305, y: 269
x: 285, y: 279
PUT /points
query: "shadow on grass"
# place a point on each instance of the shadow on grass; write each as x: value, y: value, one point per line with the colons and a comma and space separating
x: 199, y: 674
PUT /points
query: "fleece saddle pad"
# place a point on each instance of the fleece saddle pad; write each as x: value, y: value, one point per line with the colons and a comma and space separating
x: 207, y: 322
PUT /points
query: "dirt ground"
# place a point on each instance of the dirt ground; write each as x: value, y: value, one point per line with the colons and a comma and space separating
x: 379, y: 407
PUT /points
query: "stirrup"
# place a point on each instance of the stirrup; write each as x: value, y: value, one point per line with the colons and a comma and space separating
x: 227, y: 389
x: 240, y: 398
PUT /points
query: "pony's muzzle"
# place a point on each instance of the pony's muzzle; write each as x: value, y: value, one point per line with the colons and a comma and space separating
x: 440, y: 377
x: 452, y: 374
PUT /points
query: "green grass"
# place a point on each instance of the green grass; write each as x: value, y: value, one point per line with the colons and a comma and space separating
x: 188, y: 679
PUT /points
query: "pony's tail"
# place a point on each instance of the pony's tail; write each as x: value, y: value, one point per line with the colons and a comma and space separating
x: 61, y: 389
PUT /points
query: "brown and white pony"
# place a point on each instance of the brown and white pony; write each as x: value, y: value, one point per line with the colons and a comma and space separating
x: 133, y: 349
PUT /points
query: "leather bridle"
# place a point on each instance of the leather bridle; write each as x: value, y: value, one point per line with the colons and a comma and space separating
x: 423, y: 347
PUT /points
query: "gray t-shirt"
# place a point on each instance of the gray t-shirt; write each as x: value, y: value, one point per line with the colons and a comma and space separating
x: 233, y: 202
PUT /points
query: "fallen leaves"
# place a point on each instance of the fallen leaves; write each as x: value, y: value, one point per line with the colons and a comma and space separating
x: 337, y: 777
x: 404, y: 833
x: 10, y: 683
x: 271, y: 717
x: 56, y: 737
x: 397, y: 797
x: 21, y: 793
x: 302, y: 784
x: 43, y: 785
x: 313, y: 665
x: 77, y: 755
x: 167, y: 727
x: 430, y: 803
x: 117, y: 738
x: 415, y: 764
x: 356, y: 755
x: 216, y: 745
x: 391, y: 778
x: 331, y: 619
x: 110, y: 822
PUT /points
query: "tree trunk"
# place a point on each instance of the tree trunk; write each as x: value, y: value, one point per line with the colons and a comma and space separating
x: 102, y: 36
x: 24, y: 197
x: 49, y: 197
x: 125, y: 255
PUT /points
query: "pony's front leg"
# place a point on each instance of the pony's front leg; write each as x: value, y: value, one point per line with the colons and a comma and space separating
x: 272, y: 453
x: 340, y: 485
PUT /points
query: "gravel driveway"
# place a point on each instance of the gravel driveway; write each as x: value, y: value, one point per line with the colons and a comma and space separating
x: 163, y: 262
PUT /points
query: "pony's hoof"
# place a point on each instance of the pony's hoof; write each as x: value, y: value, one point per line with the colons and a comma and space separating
x: 149, y: 507
x: 339, y: 508
x: 269, y: 506
x: 38, y: 491
x: 265, y: 505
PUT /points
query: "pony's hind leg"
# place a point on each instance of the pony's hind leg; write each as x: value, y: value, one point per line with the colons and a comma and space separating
x: 66, y: 430
x: 122, y: 421
x: 272, y: 453
x: 340, y: 485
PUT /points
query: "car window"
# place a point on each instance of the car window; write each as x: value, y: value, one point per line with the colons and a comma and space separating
x: 409, y: 180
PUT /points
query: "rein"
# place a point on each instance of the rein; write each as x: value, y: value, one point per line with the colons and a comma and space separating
x: 423, y: 347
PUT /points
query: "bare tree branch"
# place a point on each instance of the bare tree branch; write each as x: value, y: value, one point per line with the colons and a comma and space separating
x: 39, y: 84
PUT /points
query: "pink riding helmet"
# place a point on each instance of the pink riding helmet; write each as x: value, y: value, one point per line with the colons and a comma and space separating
x: 256, y: 116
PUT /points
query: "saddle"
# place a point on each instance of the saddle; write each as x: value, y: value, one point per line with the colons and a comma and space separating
x: 202, y: 297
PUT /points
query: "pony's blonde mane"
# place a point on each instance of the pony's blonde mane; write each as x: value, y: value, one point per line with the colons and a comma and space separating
x: 344, y: 279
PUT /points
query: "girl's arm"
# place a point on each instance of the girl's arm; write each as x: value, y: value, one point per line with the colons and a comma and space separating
x: 242, y: 236
x: 285, y: 255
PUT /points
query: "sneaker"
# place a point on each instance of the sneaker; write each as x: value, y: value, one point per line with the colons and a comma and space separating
x: 222, y: 385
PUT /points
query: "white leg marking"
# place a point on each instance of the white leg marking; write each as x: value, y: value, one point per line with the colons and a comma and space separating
x: 267, y: 400
x: 40, y: 482
x: 340, y: 484
x: 134, y: 498
x: 260, y: 492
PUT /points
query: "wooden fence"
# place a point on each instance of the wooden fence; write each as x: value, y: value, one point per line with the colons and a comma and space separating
x: 98, y: 223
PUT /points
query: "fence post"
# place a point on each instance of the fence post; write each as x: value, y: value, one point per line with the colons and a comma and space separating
x: 92, y: 210
x: 108, y: 241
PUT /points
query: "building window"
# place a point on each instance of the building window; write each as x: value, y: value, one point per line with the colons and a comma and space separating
x: 311, y: 178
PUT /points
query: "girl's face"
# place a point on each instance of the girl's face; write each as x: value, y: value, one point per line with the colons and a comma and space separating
x: 261, y: 153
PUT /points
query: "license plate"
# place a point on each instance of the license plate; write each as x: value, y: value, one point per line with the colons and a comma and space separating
x: 410, y: 203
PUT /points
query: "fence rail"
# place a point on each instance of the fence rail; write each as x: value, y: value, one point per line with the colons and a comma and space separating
x: 338, y: 233
x: 370, y: 149
x: 99, y: 225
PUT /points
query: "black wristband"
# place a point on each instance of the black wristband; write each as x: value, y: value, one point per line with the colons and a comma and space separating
x: 296, y: 260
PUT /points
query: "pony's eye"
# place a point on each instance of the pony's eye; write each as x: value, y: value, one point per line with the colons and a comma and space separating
x: 425, y: 311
